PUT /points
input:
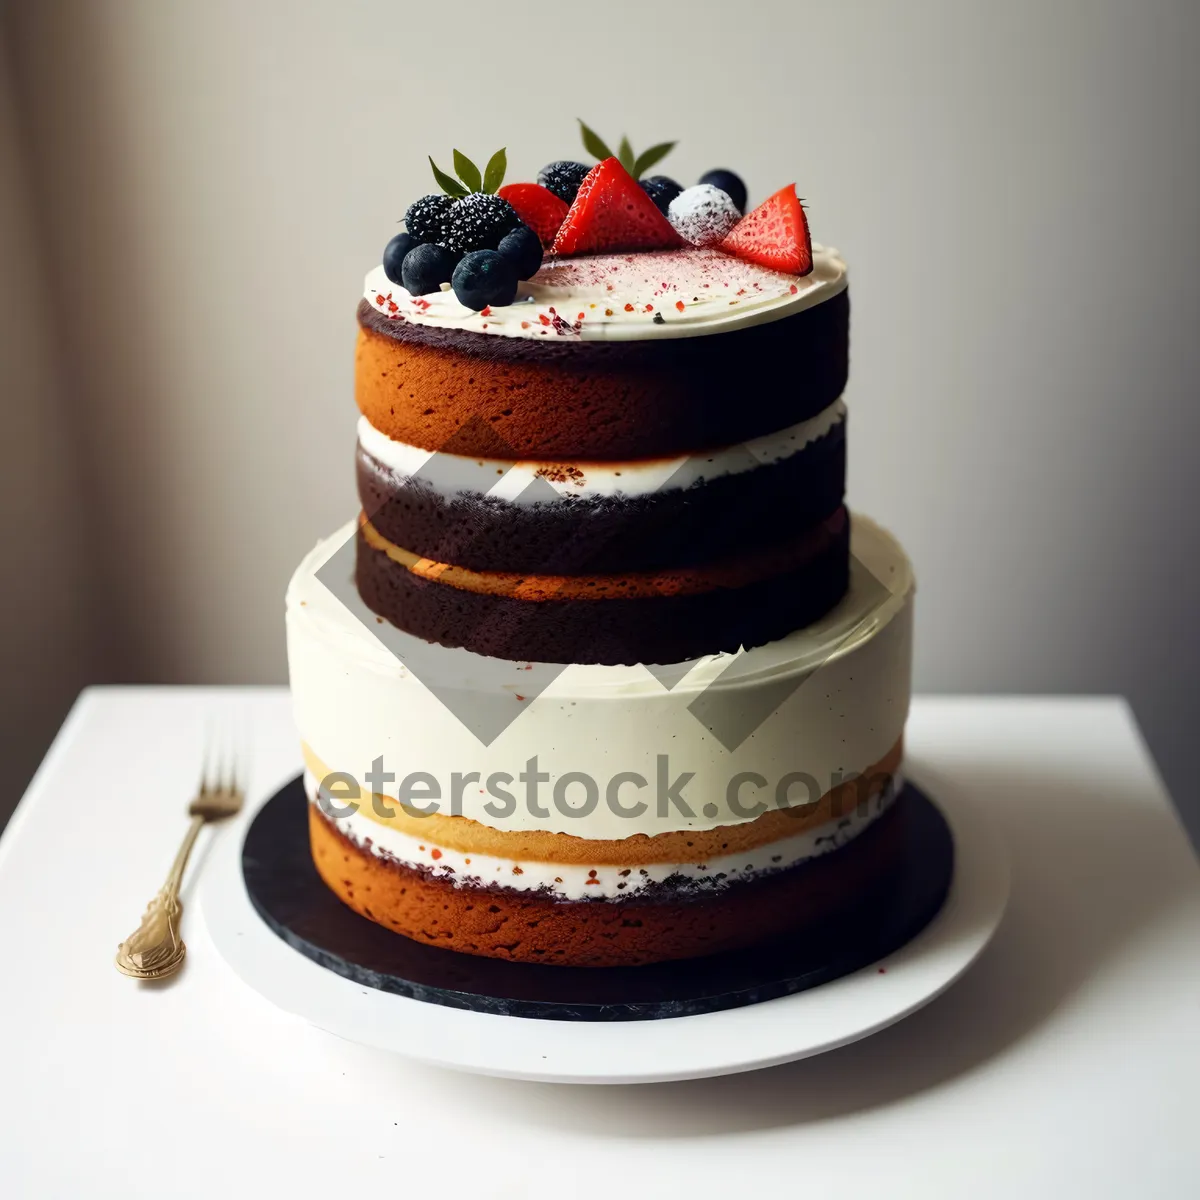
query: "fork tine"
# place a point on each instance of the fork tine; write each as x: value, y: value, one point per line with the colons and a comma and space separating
x: 206, y: 757
x: 218, y: 781
x: 228, y: 756
x: 229, y: 762
x: 222, y: 758
x: 244, y: 758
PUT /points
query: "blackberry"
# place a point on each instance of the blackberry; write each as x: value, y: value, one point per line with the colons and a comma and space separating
x: 477, y: 222
x: 523, y: 249
x: 563, y: 178
x: 425, y: 216
x: 729, y: 183
x: 662, y: 190
x: 393, y: 256
x: 484, y: 277
x: 427, y: 267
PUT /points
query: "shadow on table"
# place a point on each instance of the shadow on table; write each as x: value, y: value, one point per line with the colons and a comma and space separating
x: 1083, y: 888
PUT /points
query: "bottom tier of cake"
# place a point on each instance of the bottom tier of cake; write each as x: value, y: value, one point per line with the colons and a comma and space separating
x: 596, y: 815
x: 547, y: 912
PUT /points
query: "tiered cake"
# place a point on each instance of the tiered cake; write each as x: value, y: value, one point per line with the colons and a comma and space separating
x: 604, y: 673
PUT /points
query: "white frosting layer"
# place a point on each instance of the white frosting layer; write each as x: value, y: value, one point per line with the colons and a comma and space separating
x: 626, y: 297
x: 828, y: 700
x: 573, y: 881
x: 508, y: 480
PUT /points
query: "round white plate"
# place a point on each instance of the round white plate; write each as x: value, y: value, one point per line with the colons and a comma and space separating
x: 720, y: 1043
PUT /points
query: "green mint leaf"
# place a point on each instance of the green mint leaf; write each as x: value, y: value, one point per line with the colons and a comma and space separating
x: 648, y: 158
x: 467, y: 171
x: 493, y: 176
x: 447, y: 183
x: 625, y: 154
x: 593, y: 143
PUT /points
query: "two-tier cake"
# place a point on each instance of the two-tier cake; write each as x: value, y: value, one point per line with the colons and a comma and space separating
x: 604, y: 672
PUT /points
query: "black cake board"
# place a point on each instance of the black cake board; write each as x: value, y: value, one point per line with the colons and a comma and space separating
x: 291, y: 898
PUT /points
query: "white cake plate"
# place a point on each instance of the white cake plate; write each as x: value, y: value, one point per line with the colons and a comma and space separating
x: 654, y: 1051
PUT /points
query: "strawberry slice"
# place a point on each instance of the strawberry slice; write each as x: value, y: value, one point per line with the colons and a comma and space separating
x: 774, y: 235
x: 538, y: 207
x: 610, y: 214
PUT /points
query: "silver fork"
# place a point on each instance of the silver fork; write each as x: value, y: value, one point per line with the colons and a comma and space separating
x: 156, y: 949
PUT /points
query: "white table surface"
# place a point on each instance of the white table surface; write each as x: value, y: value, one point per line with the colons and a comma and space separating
x: 1066, y: 1063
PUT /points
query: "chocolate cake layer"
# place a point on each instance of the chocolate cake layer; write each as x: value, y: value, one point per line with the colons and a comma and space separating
x: 667, y: 921
x: 609, y: 619
x: 575, y: 534
x: 470, y: 393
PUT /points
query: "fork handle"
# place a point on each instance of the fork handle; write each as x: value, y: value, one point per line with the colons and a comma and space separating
x: 170, y: 889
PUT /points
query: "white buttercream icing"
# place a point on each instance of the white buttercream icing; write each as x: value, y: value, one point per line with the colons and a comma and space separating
x: 833, y: 700
x: 508, y: 480
x: 626, y: 297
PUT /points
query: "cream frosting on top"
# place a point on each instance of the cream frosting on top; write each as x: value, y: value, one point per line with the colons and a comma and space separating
x: 626, y: 297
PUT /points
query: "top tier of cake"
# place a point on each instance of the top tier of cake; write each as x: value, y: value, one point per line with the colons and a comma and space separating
x: 613, y: 487
x: 614, y: 357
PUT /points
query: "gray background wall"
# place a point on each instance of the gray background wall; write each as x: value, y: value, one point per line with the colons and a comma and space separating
x: 191, y: 194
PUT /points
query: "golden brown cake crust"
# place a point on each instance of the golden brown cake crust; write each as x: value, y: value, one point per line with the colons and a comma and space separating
x: 532, y: 927
x: 676, y: 846
x: 498, y: 397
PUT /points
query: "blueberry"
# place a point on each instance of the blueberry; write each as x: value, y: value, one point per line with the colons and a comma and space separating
x: 563, y: 178
x: 662, y: 189
x: 484, y: 277
x: 427, y: 267
x: 524, y: 248
x: 393, y: 255
x: 729, y: 183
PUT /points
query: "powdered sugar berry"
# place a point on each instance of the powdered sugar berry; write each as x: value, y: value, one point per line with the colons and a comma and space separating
x: 703, y: 214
